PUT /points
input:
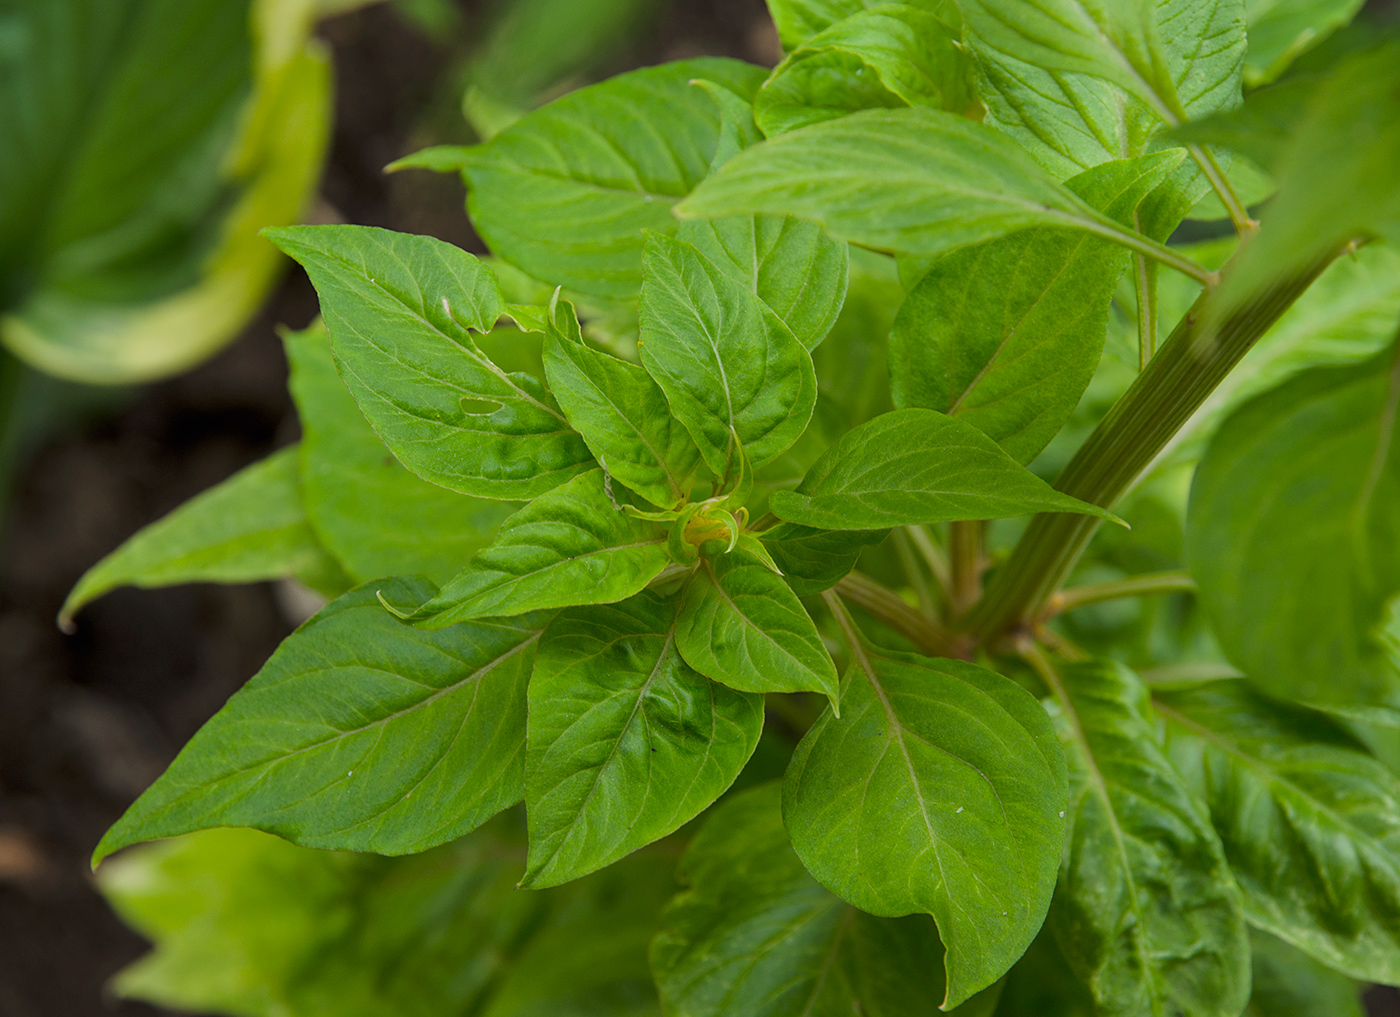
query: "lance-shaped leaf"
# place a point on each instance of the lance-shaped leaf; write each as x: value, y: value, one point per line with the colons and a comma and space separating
x: 795, y: 269
x: 941, y: 790
x: 1007, y: 335
x: 914, y: 181
x: 399, y: 308
x: 566, y: 193
x: 377, y: 518
x: 734, y: 373
x: 1146, y: 912
x: 250, y: 527
x: 742, y: 625
x: 799, y: 20
x: 574, y: 545
x: 626, y: 741
x: 1293, y: 535
x: 917, y: 466
x: 754, y: 934
x: 360, y: 734
x: 1289, y: 983
x: 888, y: 57
x: 813, y: 560
x: 621, y: 413
x: 1310, y: 822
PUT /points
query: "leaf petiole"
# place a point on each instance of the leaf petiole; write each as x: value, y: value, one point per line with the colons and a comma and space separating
x: 1133, y: 586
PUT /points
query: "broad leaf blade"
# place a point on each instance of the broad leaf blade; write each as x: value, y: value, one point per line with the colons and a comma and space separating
x: 626, y: 741
x: 939, y: 790
x: 917, y: 466
x: 1146, y: 911
x: 1289, y: 983
x: 799, y: 20
x: 1309, y: 820
x: 621, y: 413
x: 250, y: 527
x: 566, y: 193
x: 574, y: 545
x: 360, y: 733
x: 399, y: 309
x: 742, y: 625
x: 1280, y: 31
x: 754, y: 934
x: 814, y: 560
x: 734, y: 374
x: 379, y: 519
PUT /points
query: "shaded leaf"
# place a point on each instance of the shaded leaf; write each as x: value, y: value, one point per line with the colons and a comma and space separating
x: 1288, y: 983
x: 359, y: 733
x: 399, y: 309
x: 917, y: 466
x: 813, y: 560
x: 1280, y: 31
x: 939, y: 790
x: 626, y: 741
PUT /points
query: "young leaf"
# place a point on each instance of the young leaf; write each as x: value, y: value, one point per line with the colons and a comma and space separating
x: 1293, y: 534
x: 399, y: 308
x: 626, y: 741
x: 1007, y: 335
x: 940, y: 790
x: 360, y: 733
x: 814, y: 560
x: 1310, y: 822
x: 794, y: 268
x: 917, y: 466
x: 1289, y: 983
x: 1146, y: 911
x: 621, y: 413
x: 742, y: 625
x: 574, y: 545
x: 734, y: 373
x: 754, y: 934
x: 379, y: 519
x: 913, y: 181
x: 799, y: 20
x: 890, y: 56
x: 250, y: 527
x: 566, y: 193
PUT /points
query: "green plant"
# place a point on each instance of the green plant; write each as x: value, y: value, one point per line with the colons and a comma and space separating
x: 837, y: 321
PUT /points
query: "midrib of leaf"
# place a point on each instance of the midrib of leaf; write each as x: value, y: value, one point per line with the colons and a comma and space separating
x: 646, y: 442
x: 1052, y: 678
x: 748, y: 622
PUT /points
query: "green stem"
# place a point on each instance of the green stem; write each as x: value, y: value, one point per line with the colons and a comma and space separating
x: 1133, y: 586
x: 1224, y: 190
x: 965, y: 552
x: 933, y: 556
x: 1204, y: 671
x: 1145, y: 286
x: 1149, y: 248
x: 889, y: 607
x: 1200, y: 352
x: 909, y: 562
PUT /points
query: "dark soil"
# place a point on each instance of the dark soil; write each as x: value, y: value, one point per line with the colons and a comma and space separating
x: 88, y: 720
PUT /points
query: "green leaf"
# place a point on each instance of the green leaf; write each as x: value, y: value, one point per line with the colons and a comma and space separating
x: 794, y: 268
x: 1310, y: 822
x: 245, y: 923
x: 915, y: 181
x: 1008, y: 334
x: 375, y: 516
x: 626, y: 741
x: 399, y: 308
x: 250, y: 527
x: 852, y: 364
x: 737, y: 130
x: 734, y: 373
x: 1293, y: 535
x: 360, y: 733
x: 939, y: 790
x: 621, y: 413
x: 1288, y: 983
x: 917, y: 466
x: 1280, y: 31
x: 799, y: 20
x: 1146, y: 911
x: 754, y: 934
x: 890, y: 56
x: 574, y: 545
x: 742, y: 625
x: 814, y: 560
x: 146, y: 143
x: 566, y: 193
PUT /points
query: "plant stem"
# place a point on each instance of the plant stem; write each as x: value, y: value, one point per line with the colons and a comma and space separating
x: 933, y: 556
x: 1150, y: 248
x: 1224, y: 190
x: 904, y: 550
x: 965, y: 551
x: 1145, y: 285
x: 889, y: 607
x: 1133, y: 586
x: 1205, y: 671
x: 1196, y: 357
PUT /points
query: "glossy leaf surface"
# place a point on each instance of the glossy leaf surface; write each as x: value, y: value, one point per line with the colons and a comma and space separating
x: 626, y: 741
x: 360, y: 733
x: 938, y: 790
x: 399, y: 309
x: 917, y: 466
